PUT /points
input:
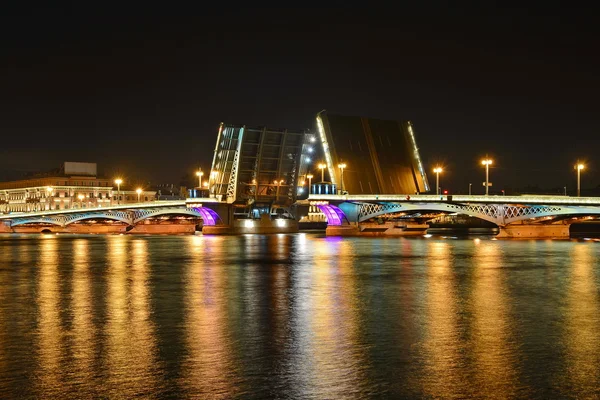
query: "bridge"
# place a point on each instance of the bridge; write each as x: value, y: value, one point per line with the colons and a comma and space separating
x: 527, y: 215
x: 130, y: 214
x: 264, y: 177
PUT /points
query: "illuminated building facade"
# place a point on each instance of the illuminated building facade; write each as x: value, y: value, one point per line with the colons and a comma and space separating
x: 75, y: 185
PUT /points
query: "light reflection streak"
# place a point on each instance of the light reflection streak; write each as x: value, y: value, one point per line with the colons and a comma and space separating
x: 443, y: 377
x: 581, y: 339
x: 493, y: 352
x: 208, y: 370
x: 84, y: 331
x: 338, y: 360
x: 131, y: 343
x: 50, y: 333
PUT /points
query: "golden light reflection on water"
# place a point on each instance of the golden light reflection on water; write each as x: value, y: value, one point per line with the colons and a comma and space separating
x: 443, y: 372
x: 84, y: 331
x: 50, y: 333
x: 131, y: 342
x: 5, y: 259
x: 582, y: 314
x: 338, y: 360
x: 492, y: 345
x: 208, y: 369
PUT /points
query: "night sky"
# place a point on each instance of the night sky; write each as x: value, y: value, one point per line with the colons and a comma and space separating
x: 141, y: 90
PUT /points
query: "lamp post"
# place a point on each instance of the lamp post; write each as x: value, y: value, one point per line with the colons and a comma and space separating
x: 118, y: 181
x: 309, y: 176
x: 579, y: 167
x: 342, y: 166
x: 322, y: 168
x: 469, y: 189
x: 213, y: 176
x: 437, y: 171
x: 138, y: 191
x: 199, y: 174
x: 487, y: 162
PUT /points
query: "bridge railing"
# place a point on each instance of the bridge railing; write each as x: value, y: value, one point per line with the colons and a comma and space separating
x: 147, y: 204
x: 502, y: 199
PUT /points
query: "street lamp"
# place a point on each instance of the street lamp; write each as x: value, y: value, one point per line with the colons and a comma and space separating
x: 579, y: 167
x: 213, y: 176
x: 469, y: 189
x: 138, y: 191
x: 199, y: 174
x: 81, y: 197
x: 342, y: 166
x: 322, y: 168
x: 487, y: 162
x: 309, y: 176
x: 118, y: 181
x: 437, y: 171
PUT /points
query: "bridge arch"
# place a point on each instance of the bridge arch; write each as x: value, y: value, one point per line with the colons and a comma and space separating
x: 120, y: 216
x: 25, y: 221
x: 209, y: 217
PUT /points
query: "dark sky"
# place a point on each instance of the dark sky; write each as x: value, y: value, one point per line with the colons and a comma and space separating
x: 142, y: 90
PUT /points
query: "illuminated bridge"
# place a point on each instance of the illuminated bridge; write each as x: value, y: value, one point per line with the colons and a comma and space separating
x: 536, y: 216
x: 130, y: 214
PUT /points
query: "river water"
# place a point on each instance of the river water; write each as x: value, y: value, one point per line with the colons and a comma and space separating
x: 297, y: 316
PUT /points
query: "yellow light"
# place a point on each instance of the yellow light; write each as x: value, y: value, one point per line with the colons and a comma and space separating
x: 281, y: 182
x: 275, y: 182
x: 199, y: 173
x: 486, y: 162
x: 580, y: 166
x: 302, y: 183
x: 342, y: 165
x: 213, y: 174
x: 205, y: 184
x: 118, y: 181
x: 138, y: 190
x: 322, y: 166
x: 437, y: 170
x: 309, y: 176
x: 81, y: 197
x: 49, y: 189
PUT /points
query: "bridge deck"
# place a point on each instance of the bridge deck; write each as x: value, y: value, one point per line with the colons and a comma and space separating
x: 525, y: 199
x: 154, y: 204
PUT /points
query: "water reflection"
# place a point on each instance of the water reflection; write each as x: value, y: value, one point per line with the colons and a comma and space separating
x: 297, y: 316
x: 82, y: 310
x: 208, y: 369
x: 338, y: 358
x: 131, y: 345
x: 493, y: 354
x: 444, y: 375
x: 581, y: 338
x: 50, y: 333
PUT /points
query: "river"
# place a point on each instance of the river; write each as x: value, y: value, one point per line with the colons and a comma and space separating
x: 299, y: 316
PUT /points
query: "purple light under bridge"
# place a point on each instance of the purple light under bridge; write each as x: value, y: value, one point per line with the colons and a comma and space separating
x: 209, y: 217
x: 334, y: 215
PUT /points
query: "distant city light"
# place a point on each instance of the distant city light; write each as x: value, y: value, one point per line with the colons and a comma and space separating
x: 310, y: 149
x: 308, y: 159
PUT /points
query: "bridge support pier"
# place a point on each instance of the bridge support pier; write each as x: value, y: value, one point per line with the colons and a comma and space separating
x: 522, y: 231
